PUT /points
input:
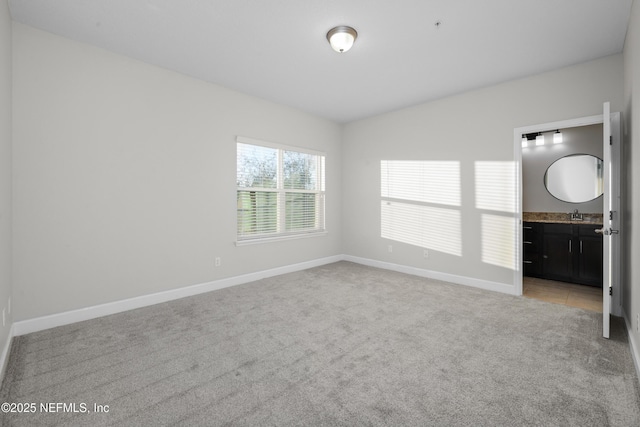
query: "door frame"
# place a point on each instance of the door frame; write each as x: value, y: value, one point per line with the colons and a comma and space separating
x: 616, y: 301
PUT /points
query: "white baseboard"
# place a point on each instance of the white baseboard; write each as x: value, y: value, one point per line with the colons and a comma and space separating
x: 60, y: 319
x: 633, y: 343
x: 4, y: 356
x: 69, y: 317
x: 446, y: 277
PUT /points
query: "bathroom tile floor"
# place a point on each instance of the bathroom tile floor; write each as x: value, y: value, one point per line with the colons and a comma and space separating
x: 581, y: 296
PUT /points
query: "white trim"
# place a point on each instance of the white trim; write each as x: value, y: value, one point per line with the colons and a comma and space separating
x: 633, y: 344
x: 292, y: 236
x: 46, y: 322
x: 4, y: 357
x: 518, y: 272
x: 452, y: 278
x: 562, y: 124
x: 617, y: 276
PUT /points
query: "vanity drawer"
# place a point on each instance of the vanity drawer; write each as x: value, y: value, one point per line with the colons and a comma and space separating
x: 532, y: 266
x: 530, y: 231
x: 531, y: 235
x: 558, y: 228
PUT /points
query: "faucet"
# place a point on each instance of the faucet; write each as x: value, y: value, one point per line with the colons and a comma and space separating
x: 575, y: 216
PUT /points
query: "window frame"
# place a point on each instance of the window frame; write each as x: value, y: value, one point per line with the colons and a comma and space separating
x: 281, y: 213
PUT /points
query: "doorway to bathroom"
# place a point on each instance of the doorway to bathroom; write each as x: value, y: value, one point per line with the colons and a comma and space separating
x: 569, y: 202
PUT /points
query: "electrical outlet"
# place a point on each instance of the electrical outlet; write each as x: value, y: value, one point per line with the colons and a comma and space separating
x: 218, y: 261
x: 426, y: 253
x: 390, y: 248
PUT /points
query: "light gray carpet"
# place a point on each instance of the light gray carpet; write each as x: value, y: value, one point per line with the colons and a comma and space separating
x: 341, y: 344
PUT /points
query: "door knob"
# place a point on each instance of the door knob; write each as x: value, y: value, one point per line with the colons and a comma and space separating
x: 607, y: 231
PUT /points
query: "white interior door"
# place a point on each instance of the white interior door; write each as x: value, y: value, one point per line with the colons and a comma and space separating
x: 607, y: 218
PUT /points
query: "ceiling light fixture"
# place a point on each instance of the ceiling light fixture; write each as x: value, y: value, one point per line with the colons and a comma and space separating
x: 557, y: 137
x: 341, y: 38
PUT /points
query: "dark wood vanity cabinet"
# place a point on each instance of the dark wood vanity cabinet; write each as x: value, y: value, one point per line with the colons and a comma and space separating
x: 590, y: 256
x: 565, y: 252
x: 557, y: 252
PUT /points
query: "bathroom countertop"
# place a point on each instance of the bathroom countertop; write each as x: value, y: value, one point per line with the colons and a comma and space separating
x: 561, y: 218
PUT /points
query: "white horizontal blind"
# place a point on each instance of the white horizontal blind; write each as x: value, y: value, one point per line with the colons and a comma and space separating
x: 280, y: 190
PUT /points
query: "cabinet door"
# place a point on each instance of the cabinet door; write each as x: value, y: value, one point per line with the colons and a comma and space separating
x: 557, y: 253
x: 590, y: 257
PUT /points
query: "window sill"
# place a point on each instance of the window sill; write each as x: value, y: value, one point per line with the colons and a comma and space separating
x: 257, y: 241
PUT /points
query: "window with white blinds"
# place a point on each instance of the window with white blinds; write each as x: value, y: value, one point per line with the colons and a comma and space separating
x: 280, y: 191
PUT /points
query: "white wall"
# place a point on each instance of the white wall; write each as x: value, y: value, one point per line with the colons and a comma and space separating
x: 536, y: 160
x: 631, y: 159
x: 5, y: 170
x: 124, y: 172
x: 472, y: 127
x: 124, y: 177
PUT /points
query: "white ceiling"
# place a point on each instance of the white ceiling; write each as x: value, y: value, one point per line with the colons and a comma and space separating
x: 277, y: 50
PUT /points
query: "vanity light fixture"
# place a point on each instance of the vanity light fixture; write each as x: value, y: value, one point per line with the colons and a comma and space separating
x: 341, y: 38
x: 557, y: 137
x: 540, y: 139
x: 525, y: 141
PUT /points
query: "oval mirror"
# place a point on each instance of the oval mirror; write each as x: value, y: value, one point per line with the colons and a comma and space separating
x: 576, y: 178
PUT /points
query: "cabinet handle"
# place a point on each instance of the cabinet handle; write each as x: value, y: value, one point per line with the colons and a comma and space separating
x: 527, y: 243
x: 528, y: 262
x: 528, y: 228
x: 580, y: 246
x: 569, y: 245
